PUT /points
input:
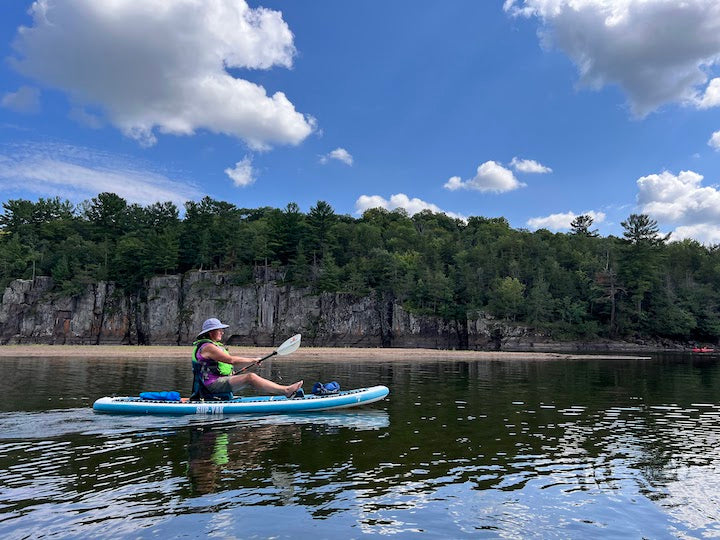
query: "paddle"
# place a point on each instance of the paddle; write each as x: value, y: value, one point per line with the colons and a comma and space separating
x: 290, y: 346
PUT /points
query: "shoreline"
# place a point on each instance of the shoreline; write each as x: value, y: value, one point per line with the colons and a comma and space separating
x: 306, y: 353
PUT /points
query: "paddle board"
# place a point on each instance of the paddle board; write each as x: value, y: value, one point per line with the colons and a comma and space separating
x: 243, y: 405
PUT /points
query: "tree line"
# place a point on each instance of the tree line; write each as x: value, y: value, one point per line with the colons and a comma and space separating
x: 575, y: 285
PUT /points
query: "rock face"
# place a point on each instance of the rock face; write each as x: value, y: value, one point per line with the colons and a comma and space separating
x: 263, y: 313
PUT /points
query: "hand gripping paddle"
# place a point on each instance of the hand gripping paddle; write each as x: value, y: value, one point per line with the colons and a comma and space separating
x: 290, y: 346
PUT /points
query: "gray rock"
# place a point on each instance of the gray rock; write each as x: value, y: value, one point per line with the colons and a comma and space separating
x: 173, y: 308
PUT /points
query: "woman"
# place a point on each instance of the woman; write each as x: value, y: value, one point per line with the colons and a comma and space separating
x: 217, y: 365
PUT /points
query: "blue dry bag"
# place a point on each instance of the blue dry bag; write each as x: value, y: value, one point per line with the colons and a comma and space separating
x: 320, y: 389
x: 160, y: 396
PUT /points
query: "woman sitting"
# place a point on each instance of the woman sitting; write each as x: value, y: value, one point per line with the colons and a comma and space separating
x: 217, y: 365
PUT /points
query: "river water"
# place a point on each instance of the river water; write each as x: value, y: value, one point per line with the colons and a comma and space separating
x: 482, y: 449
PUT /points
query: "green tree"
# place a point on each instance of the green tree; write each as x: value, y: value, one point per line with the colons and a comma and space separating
x: 507, y: 298
x: 580, y: 226
x: 15, y: 258
x: 640, y: 268
x: 287, y: 230
x: 539, y: 303
x: 198, y: 233
x: 320, y: 220
x: 329, y: 277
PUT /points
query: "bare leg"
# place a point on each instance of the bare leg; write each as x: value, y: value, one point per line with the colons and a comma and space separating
x: 263, y: 385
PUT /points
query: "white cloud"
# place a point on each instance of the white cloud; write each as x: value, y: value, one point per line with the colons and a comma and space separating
x: 243, y: 174
x: 711, y: 98
x: 25, y: 100
x: 705, y: 233
x: 682, y: 201
x: 158, y: 66
x: 399, y: 200
x: 679, y: 199
x: 78, y: 173
x: 715, y: 140
x: 339, y: 154
x: 529, y: 166
x: 561, y: 222
x: 490, y: 176
x: 658, y: 51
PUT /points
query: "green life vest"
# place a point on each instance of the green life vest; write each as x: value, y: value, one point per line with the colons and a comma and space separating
x: 219, y: 368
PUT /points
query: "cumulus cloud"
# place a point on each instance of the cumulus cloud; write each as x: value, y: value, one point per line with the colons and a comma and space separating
x: 529, y: 166
x: 25, y: 100
x: 678, y: 198
x: 714, y: 141
x: 705, y: 233
x: 711, y: 98
x: 77, y: 174
x: 682, y: 201
x: 339, y: 154
x: 490, y: 177
x: 561, y: 221
x: 243, y: 173
x: 161, y: 67
x: 657, y: 51
x: 399, y: 200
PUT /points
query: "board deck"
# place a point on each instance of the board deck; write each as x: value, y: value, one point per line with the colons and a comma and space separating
x: 243, y: 405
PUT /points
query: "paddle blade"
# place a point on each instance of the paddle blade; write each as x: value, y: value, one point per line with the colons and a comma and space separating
x: 291, y: 345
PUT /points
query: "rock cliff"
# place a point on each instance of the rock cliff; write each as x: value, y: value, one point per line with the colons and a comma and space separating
x: 263, y: 313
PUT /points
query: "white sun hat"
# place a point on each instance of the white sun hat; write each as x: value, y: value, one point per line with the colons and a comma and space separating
x: 212, y: 324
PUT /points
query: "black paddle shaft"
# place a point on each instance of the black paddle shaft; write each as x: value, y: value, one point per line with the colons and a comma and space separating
x: 257, y: 362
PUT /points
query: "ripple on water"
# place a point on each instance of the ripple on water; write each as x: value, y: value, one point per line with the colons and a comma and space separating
x: 495, y: 452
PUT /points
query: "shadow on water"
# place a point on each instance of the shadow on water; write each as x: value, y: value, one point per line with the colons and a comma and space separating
x: 492, y: 448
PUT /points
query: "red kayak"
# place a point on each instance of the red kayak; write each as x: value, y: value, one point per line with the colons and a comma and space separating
x: 703, y: 349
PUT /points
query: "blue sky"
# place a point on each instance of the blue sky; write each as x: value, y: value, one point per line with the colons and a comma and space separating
x: 535, y: 110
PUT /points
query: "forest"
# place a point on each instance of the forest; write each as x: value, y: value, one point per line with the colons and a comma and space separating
x: 575, y: 285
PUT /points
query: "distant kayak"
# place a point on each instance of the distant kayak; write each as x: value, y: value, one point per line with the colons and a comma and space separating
x: 703, y: 349
x: 243, y: 405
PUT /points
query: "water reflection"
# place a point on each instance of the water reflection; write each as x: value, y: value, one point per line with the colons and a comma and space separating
x: 219, y: 451
x: 494, y: 449
x: 212, y: 453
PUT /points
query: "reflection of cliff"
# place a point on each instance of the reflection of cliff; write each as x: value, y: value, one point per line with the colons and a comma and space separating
x: 172, y: 308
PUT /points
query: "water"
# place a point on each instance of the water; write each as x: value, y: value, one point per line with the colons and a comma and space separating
x: 481, y: 449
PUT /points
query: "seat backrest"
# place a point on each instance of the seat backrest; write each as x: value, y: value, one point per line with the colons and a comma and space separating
x: 199, y: 392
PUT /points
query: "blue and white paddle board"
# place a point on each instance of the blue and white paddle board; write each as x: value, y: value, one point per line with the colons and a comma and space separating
x: 244, y: 405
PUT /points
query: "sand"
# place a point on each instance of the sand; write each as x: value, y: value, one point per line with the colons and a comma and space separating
x: 307, y: 353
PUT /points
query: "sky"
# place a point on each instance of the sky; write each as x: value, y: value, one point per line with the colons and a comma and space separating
x: 533, y: 110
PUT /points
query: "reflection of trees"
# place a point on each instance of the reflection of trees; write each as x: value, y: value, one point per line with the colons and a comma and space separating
x: 501, y: 424
x: 594, y: 426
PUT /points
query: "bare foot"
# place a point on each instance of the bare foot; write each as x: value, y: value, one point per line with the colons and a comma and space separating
x: 290, y: 390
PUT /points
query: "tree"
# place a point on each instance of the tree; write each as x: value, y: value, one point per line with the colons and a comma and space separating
x: 507, y: 297
x: 328, y: 279
x: 14, y: 260
x: 606, y: 291
x: 19, y: 213
x: 127, y: 269
x: 580, y: 226
x: 641, y: 230
x: 201, y: 227
x: 640, y: 265
x: 539, y: 302
x: 108, y: 214
x: 287, y: 230
x: 320, y: 221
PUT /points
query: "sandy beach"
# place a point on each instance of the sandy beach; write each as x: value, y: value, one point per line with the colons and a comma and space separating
x: 308, y: 353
